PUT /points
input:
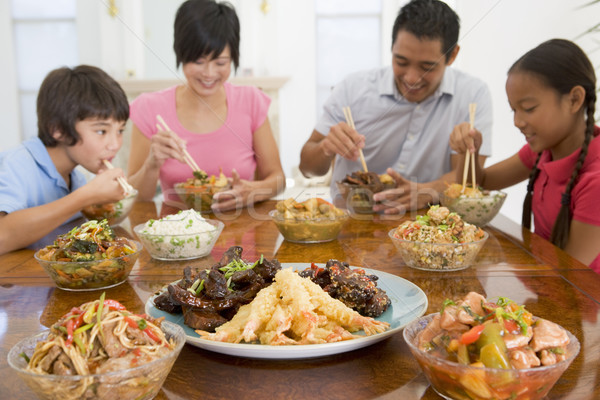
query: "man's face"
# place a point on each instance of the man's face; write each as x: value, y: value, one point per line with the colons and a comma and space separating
x: 418, y: 65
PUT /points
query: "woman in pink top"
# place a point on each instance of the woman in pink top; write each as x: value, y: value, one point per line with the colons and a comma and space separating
x: 221, y: 125
x: 552, y: 92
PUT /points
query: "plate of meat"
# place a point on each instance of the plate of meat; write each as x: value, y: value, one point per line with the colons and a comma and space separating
x: 395, y: 300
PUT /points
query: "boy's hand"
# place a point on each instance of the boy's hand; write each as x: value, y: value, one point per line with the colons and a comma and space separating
x: 464, y: 138
x: 104, y: 188
x: 343, y: 140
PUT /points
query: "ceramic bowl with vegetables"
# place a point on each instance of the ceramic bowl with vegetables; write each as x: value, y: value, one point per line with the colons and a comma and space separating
x: 197, y: 192
x: 477, y: 207
x: 114, y: 213
x: 479, y: 349
x: 357, y: 190
x: 89, y: 257
x: 182, y: 236
x: 312, y: 221
x: 438, y: 241
x: 99, y: 350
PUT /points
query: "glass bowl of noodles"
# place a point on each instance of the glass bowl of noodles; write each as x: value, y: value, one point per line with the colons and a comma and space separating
x: 475, y: 206
x: 114, y: 213
x: 89, y: 257
x: 438, y: 241
x: 56, y: 365
x: 459, y: 365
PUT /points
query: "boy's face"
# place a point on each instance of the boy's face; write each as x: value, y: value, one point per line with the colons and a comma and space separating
x: 418, y: 65
x: 100, y: 140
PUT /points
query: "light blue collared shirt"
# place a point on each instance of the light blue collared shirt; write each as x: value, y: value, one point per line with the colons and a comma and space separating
x: 411, y: 138
x: 28, y: 178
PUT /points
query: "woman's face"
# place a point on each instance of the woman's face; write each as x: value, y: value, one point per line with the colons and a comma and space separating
x: 543, y: 115
x: 207, y: 74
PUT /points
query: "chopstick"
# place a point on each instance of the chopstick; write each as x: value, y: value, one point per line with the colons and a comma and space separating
x: 472, y: 108
x: 122, y: 181
x: 186, y: 156
x: 468, y: 155
x: 350, y: 121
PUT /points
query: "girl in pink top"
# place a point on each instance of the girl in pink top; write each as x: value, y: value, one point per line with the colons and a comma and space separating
x: 552, y: 91
x: 222, y: 126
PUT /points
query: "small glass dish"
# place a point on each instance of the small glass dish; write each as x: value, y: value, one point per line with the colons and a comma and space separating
x: 91, y: 275
x: 141, y: 382
x: 115, y: 213
x: 315, y: 230
x: 475, y: 210
x: 440, y: 257
x: 359, y: 198
x: 199, y: 198
x: 452, y: 380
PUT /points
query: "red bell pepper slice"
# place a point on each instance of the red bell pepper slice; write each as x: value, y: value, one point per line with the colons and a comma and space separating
x: 471, y: 335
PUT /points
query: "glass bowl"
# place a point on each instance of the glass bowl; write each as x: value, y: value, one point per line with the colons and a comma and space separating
x: 172, y: 245
x: 91, y: 275
x: 115, y: 213
x: 359, y: 198
x: 141, y: 382
x: 199, y: 198
x: 430, y: 256
x: 452, y: 380
x: 475, y: 210
x: 316, y: 230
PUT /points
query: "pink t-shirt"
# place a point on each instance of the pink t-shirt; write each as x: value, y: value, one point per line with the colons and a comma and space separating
x: 229, y: 147
x: 551, y: 182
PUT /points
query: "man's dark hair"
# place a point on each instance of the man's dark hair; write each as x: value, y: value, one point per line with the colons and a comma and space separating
x: 429, y: 19
x: 69, y: 95
x: 204, y: 28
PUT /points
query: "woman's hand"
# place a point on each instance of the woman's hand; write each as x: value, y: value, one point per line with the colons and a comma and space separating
x: 464, y: 138
x: 165, y: 145
x: 234, y: 198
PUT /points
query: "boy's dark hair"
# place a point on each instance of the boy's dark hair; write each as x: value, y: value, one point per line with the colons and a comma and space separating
x: 429, y: 19
x: 204, y: 28
x: 561, y: 65
x: 69, y: 95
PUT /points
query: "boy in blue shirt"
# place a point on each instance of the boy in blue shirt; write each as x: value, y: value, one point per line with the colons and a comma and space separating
x: 81, y: 117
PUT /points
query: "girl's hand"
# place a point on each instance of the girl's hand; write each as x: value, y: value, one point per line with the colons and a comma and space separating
x: 464, y: 138
x: 165, y: 145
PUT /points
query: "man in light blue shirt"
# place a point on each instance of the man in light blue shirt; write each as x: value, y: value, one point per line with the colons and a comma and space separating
x: 404, y: 114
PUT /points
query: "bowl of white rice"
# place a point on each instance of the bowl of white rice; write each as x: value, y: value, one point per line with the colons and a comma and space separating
x: 182, y: 236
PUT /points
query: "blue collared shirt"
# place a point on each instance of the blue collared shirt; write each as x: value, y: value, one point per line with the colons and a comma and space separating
x: 28, y: 178
x: 411, y: 138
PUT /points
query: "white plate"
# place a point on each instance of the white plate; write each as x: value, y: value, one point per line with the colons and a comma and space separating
x: 408, y: 303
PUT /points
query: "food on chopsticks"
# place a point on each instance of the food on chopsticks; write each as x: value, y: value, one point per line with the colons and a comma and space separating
x: 358, y: 188
x: 369, y: 180
x: 184, y: 235
x: 500, y: 335
x: 197, y: 192
x: 438, y: 240
x: 210, y: 297
x: 312, y: 221
x: 455, y: 191
x: 474, y: 205
x: 89, y: 256
x: 100, y: 337
x: 353, y: 287
x: 294, y: 311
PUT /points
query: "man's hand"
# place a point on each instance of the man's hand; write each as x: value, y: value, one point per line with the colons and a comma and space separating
x: 406, y: 196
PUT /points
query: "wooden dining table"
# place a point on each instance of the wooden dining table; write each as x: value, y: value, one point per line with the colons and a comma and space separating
x: 513, y: 263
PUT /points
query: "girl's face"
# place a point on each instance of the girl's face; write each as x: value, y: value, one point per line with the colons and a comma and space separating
x: 100, y: 140
x: 544, y: 116
x: 206, y: 75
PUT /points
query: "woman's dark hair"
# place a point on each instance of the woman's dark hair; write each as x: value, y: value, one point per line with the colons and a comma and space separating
x: 561, y: 65
x: 69, y: 95
x: 205, y: 27
x: 429, y: 19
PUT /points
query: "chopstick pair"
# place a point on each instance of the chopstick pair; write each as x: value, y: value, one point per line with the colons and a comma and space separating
x: 468, y: 155
x: 162, y: 125
x: 350, y: 121
x: 122, y: 181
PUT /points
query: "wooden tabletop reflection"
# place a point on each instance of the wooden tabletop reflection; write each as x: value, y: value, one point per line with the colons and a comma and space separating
x: 513, y: 263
